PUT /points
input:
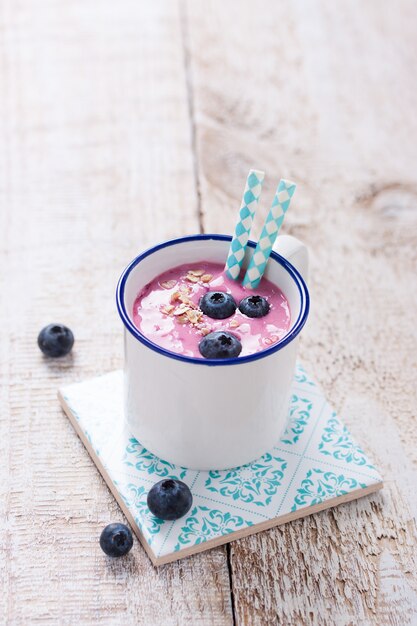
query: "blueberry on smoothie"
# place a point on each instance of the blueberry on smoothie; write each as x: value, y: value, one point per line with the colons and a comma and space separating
x: 169, y: 499
x: 254, y: 306
x: 220, y: 345
x: 55, y: 340
x: 116, y: 540
x: 217, y: 305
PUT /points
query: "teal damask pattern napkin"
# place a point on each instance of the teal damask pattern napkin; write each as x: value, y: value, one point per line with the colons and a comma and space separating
x: 315, y: 465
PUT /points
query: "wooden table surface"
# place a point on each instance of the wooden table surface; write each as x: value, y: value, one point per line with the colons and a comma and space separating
x: 123, y: 124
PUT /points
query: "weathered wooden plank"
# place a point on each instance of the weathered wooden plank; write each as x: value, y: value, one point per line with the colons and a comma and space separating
x: 324, y: 93
x: 95, y: 163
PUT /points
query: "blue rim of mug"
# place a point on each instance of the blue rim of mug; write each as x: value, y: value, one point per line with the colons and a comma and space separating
x: 301, y: 320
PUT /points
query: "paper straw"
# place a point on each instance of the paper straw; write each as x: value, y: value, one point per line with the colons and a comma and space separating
x: 247, y: 211
x: 273, y: 222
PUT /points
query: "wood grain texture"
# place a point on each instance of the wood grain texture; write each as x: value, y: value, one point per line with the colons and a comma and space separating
x: 95, y: 163
x: 122, y: 124
x: 323, y: 93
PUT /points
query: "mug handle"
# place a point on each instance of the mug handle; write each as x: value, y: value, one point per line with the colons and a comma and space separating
x: 294, y: 251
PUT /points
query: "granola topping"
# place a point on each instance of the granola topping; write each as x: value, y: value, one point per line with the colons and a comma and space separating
x: 194, y: 316
x: 192, y: 278
x: 175, y: 297
x: 182, y: 308
x: 269, y: 341
x: 168, y: 284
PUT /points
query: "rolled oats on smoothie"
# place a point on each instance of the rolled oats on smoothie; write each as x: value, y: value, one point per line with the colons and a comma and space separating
x: 197, y: 311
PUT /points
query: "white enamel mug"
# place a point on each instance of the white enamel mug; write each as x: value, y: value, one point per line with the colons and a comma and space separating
x: 203, y: 413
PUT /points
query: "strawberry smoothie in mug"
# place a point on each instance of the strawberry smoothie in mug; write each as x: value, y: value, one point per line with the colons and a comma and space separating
x: 199, y: 311
x: 209, y: 360
x: 204, y: 412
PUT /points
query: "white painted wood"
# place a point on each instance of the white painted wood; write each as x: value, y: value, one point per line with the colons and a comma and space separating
x: 96, y: 161
x: 323, y: 93
x: 95, y: 164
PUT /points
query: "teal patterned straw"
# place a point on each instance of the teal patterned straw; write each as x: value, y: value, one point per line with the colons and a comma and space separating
x: 273, y: 222
x: 246, y: 214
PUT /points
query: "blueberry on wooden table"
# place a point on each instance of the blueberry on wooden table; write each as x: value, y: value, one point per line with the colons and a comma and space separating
x: 217, y: 305
x: 254, y: 306
x: 220, y: 345
x: 55, y: 340
x: 169, y: 499
x: 116, y: 540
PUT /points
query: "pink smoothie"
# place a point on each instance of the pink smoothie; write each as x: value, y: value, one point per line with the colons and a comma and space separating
x: 166, y: 310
